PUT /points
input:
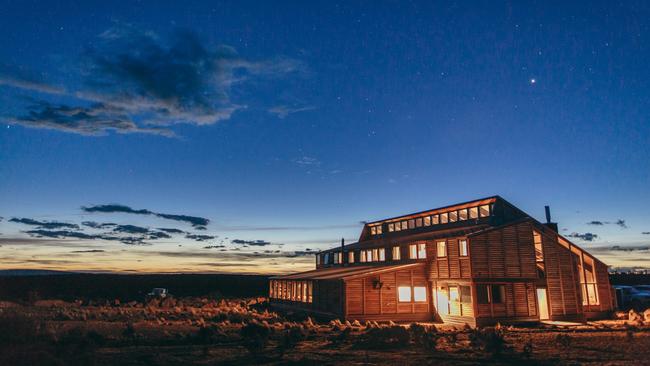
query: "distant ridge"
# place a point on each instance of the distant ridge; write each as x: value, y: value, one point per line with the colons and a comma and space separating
x: 31, y: 272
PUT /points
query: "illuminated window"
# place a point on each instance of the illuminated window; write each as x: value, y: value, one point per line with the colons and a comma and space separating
x: 363, y: 258
x: 462, y: 214
x: 379, y: 229
x: 375, y: 255
x: 351, y: 257
x: 419, y: 294
x: 299, y: 291
x: 373, y: 230
x: 422, y: 251
x: 369, y: 256
x: 588, y: 281
x: 484, y: 211
x: 382, y: 254
x: 336, y: 257
x: 411, y: 223
x: 453, y: 216
x: 404, y: 225
x: 427, y: 221
x: 462, y: 248
x: 398, y: 226
x: 473, y: 212
x: 391, y: 228
x: 539, y: 251
x: 441, y: 249
x: 443, y: 301
x: 418, y: 222
x: 444, y: 218
x: 404, y: 293
x: 413, y: 251
x: 310, y: 291
x: 435, y: 219
x: 396, y: 253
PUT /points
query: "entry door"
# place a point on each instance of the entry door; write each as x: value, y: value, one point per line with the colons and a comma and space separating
x: 542, y: 304
x: 454, y: 301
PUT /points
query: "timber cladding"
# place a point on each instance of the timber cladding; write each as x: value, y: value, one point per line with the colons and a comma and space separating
x: 374, y: 296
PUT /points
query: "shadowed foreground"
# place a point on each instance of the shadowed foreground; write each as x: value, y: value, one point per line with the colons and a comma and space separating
x: 199, y: 331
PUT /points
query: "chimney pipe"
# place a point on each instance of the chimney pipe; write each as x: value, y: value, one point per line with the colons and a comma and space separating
x: 548, y: 214
x: 342, y: 251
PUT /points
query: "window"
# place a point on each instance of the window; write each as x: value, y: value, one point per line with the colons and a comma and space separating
x: 435, y: 219
x: 422, y: 251
x: 453, y: 216
x: 404, y: 225
x: 418, y: 222
x: 413, y: 251
x: 382, y: 254
x: 588, y: 281
x: 497, y: 294
x: 482, y: 294
x: 310, y: 291
x: 363, y: 258
x: 375, y: 255
x: 444, y: 218
x: 427, y: 221
x: 462, y: 214
x: 465, y: 294
x: 411, y: 223
x: 373, y: 230
x: 484, y: 211
x: 398, y: 226
x: 396, y: 253
x: 454, y: 300
x: 539, y: 251
x: 391, y: 228
x: 336, y: 258
x: 443, y: 301
x: 420, y: 294
x: 379, y: 229
x: 473, y: 212
x: 462, y: 248
x: 404, y: 293
x: 441, y: 249
x: 326, y: 258
x: 369, y: 257
x: 351, y: 257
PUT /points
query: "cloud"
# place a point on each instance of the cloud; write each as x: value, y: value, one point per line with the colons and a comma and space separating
x: 307, y: 161
x: 131, y: 229
x: 116, y: 208
x: 621, y: 223
x: 171, y: 230
x: 17, y: 78
x: 629, y: 248
x: 136, y: 81
x: 44, y: 224
x: 198, y: 237
x: 251, y: 242
x: 214, y: 246
x: 599, y: 223
x: 645, y: 233
x: 585, y: 236
x: 97, y: 225
x: 60, y: 234
x: 89, y: 251
x: 283, y: 111
x: 92, y: 120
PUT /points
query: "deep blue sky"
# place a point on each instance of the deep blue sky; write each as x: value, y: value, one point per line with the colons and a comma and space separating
x: 291, y: 122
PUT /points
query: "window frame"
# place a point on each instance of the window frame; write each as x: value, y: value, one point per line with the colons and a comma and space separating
x: 444, y: 247
x: 397, y: 249
x: 400, y: 292
x: 463, y: 248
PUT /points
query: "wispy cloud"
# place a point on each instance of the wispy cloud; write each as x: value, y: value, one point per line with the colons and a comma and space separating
x: 136, y: 81
x: 259, y: 243
x: 44, y: 224
x: 283, y: 111
x: 584, y: 237
x: 116, y: 208
x: 620, y: 222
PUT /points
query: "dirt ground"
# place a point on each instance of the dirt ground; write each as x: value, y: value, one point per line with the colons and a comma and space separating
x: 243, y: 332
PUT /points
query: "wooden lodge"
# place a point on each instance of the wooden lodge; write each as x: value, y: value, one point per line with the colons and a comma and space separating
x: 479, y: 262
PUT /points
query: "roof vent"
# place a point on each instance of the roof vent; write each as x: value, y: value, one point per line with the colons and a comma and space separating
x: 549, y: 224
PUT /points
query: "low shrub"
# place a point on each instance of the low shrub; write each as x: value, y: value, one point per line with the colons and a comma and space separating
x: 563, y: 341
x: 489, y: 339
x: 255, y: 336
x: 386, y: 337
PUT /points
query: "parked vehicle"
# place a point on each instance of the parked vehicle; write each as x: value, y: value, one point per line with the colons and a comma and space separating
x: 158, y: 293
x: 634, y: 297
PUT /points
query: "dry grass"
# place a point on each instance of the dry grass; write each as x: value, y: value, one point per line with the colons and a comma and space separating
x: 198, y: 331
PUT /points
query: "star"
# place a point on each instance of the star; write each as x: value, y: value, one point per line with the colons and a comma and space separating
x: 533, y: 81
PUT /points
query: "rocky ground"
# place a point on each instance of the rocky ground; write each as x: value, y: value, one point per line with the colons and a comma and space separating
x: 198, y: 331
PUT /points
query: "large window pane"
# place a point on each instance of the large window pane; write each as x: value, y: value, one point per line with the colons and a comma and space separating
x: 441, y: 249
x: 462, y: 248
x: 422, y: 251
x: 396, y: 254
x: 404, y: 293
x: 419, y: 293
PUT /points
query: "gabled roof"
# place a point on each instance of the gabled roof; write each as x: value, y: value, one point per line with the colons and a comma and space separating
x: 338, y: 272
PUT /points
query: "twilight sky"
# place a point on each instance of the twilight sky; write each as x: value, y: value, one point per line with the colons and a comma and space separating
x: 239, y: 136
